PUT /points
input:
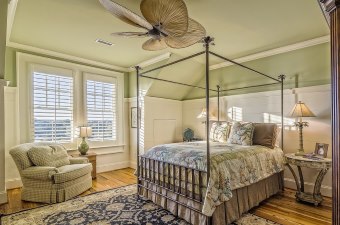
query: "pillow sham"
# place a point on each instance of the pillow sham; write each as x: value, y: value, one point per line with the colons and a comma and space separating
x: 219, y: 131
x: 265, y: 134
x: 53, y: 155
x: 241, y: 134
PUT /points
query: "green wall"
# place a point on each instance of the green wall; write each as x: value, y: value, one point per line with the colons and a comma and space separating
x: 10, y: 69
x: 3, y: 26
x: 144, y: 83
x: 304, y: 67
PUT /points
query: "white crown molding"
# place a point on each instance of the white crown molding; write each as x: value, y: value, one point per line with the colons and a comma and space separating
x: 12, y: 7
x: 276, y: 51
x: 152, y: 61
x: 66, y: 56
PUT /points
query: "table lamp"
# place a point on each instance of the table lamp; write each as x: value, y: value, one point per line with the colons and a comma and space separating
x: 203, y: 116
x: 301, y: 110
x: 84, y: 132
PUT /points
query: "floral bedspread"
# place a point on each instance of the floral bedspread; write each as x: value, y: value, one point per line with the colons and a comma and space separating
x: 232, y: 166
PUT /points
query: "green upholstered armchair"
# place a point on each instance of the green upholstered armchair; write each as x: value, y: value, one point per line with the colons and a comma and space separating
x: 61, y: 179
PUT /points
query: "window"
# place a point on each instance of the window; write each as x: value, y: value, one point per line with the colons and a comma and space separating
x: 52, y: 107
x: 235, y: 113
x: 57, y: 97
x: 101, y: 104
x: 272, y: 118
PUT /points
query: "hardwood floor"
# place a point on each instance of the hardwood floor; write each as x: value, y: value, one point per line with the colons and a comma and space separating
x: 281, y: 208
x: 104, y: 181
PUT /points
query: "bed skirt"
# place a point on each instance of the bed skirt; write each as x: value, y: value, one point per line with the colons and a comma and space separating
x: 242, y: 201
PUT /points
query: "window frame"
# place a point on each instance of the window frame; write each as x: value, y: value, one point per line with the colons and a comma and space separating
x: 51, y: 71
x: 24, y: 66
x: 106, y: 79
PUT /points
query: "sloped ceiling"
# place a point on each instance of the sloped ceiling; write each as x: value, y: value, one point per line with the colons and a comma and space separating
x: 187, y: 72
x: 239, y: 27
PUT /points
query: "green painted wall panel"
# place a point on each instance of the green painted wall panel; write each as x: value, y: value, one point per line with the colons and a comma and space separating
x: 3, y: 26
x: 305, y: 67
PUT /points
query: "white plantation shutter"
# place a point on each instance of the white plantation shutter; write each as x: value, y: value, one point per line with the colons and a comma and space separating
x: 101, y: 103
x: 52, y: 107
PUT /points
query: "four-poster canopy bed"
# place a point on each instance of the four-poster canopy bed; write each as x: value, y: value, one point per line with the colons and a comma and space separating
x: 185, y: 190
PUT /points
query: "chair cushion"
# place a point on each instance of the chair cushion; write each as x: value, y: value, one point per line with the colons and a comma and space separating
x: 71, y: 172
x: 265, y: 134
x: 39, y: 173
x: 49, y: 155
x: 241, y: 134
x: 20, y: 156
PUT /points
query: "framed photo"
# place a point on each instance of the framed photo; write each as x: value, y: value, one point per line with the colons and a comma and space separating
x: 133, y: 117
x: 321, y: 149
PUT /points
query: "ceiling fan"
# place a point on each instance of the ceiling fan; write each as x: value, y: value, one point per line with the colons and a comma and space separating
x: 166, y: 22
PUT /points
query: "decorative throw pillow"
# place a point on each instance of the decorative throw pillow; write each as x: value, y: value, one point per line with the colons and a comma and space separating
x: 219, y: 131
x: 53, y: 155
x: 241, y: 134
x: 265, y: 134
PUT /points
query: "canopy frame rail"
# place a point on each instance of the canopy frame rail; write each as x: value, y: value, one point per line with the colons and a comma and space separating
x: 243, y: 66
x: 172, y: 63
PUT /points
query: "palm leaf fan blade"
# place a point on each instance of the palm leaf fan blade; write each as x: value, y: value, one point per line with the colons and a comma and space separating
x: 169, y: 16
x: 196, y: 33
x: 130, y: 34
x: 154, y: 44
x: 125, y: 14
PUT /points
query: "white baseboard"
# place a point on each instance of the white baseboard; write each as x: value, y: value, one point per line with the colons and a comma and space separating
x: 13, y: 183
x: 112, y: 166
x: 133, y: 165
x: 325, y: 190
x: 3, y: 197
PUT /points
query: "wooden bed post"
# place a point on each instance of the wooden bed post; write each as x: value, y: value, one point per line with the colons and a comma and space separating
x: 332, y: 7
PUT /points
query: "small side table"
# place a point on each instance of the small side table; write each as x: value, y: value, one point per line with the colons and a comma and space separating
x: 92, y: 157
x: 323, y: 165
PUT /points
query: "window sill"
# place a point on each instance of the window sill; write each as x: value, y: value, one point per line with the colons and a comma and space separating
x: 100, y: 147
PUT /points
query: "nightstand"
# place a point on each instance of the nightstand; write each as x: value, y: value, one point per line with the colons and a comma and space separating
x: 323, y: 165
x: 92, y: 157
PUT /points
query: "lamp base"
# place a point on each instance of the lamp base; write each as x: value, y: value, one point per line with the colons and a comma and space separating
x: 301, y: 152
x: 83, y: 147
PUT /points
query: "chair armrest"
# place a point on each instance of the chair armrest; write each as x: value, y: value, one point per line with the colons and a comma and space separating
x: 79, y: 160
x: 39, y: 172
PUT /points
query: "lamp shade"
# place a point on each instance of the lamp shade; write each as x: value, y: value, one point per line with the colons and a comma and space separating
x: 85, y: 131
x: 203, y: 115
x: 301, y: 110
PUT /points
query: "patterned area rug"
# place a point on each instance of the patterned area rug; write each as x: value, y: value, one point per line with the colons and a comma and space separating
x: 116, y: 206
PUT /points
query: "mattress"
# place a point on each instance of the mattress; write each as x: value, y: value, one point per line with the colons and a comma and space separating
x: 232, y: 166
